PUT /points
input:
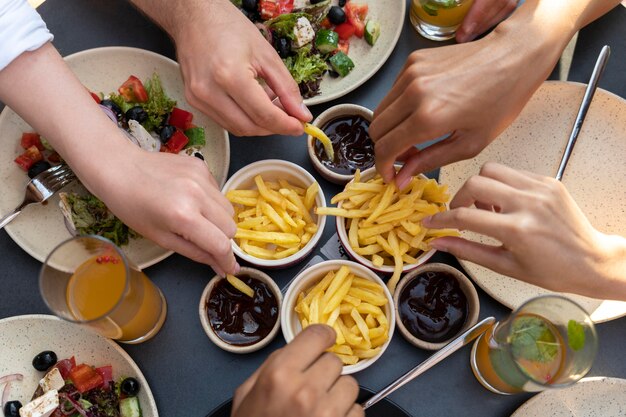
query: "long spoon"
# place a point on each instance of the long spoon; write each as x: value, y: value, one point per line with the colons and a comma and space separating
x: 471, y: 334
x: 584, y: 107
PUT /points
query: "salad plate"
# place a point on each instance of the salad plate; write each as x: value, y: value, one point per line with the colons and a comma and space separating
x: 367, y: 59
x: 594, y: 176
x: 596, y: 396
x: 41, y: 227
x: 23, y: 337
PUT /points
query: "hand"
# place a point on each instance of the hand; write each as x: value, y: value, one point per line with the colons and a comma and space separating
x: 483, y: 15
x: 300, y: 380
x: 546, y: 239
x: 222, y: 56
x: 174, y: 201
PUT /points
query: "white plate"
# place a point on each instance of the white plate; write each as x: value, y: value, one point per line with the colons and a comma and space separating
x: 23, y: 337
x: 594, y: 176
x: 591, y: 397
x: 40, y: 228
x: 367, y: 59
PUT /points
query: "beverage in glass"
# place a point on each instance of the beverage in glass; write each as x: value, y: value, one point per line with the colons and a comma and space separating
x: 438, y: 19
x: 88, y: 280
x: 549, y: 342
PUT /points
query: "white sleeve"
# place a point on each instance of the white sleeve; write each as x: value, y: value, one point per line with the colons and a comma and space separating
x: 21, y: 30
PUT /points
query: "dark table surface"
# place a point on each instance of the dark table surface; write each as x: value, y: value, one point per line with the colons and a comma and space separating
x: 189, y: 375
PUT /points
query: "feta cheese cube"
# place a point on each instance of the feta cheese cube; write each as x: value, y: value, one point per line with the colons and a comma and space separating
x: 52, y: 380
x: 42, y: 406
x: 303, y: 31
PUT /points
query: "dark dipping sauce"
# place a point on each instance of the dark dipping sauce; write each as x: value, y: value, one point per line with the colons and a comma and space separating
x: 238, y: 319
x: 433, y: 307
x: 352, y: 144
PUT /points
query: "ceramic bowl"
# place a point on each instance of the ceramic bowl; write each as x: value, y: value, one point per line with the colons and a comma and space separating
x: 322, y: 120
x: 208, y: 329
x: 345, y: 242
x: 273, y: 170
x: 473, y: 304
x: 290, y: 322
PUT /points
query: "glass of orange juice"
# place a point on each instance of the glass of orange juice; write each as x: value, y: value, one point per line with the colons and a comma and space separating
x: 438, y: 19
x: 548, y: 342
x: 88, y: 280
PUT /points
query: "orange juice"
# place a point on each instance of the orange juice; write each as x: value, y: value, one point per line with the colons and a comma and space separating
x: 438, y: 19
x: 536, y: 357
x: 129, y: 309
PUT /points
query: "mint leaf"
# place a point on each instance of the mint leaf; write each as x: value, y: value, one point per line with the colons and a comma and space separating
x: 533, y: 340
x: 575, y: 335
x: 430, y: 9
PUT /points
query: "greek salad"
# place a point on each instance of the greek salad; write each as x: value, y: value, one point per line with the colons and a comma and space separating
x: 70, y: 390
x: 149, y: 119
x: 312, y: 36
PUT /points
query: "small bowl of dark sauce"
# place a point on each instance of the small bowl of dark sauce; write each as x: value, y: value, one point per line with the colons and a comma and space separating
x: 347, y: 127
x: 237, y: 322
x: 434, y: 304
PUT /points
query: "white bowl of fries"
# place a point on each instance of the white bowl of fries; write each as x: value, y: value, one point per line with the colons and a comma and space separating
x: 380, y: 227
x: 275, y: 204
x: 350, y: 298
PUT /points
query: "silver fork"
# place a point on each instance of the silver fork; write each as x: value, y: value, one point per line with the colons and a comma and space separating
x: 41, y: 188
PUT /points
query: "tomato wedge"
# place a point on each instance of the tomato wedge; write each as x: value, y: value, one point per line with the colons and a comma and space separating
x: 176, y: 142
x: 180, y: 118
x: 133, y: 90
x: 270, y: 9
x: 343, y: 46
x: 28, y: 158
x: 345, y: 30
x: 85, y: 378
x: 31, y: 139
x: 356, y: 14
x: 106, y: 372
x: 95, y: 97
x: 65, y: 366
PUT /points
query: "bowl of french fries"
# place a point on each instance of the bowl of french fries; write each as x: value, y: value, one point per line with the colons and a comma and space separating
x: 351, y: 299
x: 275, y: 202
x: 380, y: 226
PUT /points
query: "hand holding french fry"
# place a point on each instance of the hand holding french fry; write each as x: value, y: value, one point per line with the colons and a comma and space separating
x: 300, y: 380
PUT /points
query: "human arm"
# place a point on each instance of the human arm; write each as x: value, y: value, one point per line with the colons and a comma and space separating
x: 546, y: 239
x: 222, y: 54
x: 170, y: 199
x: 475, y: 90
x: 300, y: 380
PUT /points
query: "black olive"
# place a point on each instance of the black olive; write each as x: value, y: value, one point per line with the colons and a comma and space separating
x: 12, y: 409
x: 137, y: 113
x: 342, y: 3
x: 114, y: 107
x: 283, y: 47
x: 198, y: 155
x: 130, y: 386
x: 316, y: 1
x: 250, y: 5
x: 166, y: 133
x: 37, y: 168
x: 44, y: 360
x: 336, y: 15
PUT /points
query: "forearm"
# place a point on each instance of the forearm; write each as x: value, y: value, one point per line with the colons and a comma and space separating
x: 41, y: 88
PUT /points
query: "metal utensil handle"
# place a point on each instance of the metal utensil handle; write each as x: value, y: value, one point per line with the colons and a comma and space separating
x: 9, y: 217
x: 471, y: 334
x: 584, y: 107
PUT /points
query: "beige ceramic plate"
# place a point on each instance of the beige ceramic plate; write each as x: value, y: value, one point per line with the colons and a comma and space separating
x: 23, y: 337
x: 591, y: 397
x: 367, y: 59
x: 40, y: 228
x: 594, y: 176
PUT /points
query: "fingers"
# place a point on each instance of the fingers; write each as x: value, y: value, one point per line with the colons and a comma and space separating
x: 210, y: 239
x: 342, y: 397
x: 190, y: 250
x: 463, y: 218
x: 495, y: 258
x: 325, y: 371
x: 484, y: 192
x: 510, y: 176
x: 307, y: 347
x: 356, y: 411
x: 245, y: 388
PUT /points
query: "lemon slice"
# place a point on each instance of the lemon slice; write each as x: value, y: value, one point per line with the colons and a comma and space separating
x: 319, y: 134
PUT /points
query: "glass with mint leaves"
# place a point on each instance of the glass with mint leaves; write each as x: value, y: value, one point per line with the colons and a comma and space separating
x: 438, y: 20
x: 548, y: 342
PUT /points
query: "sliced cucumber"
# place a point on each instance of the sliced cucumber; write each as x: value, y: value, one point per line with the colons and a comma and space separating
x: 129, y: 407
x: 341, y: 63
x: 326, y: 40
x: 372, y: 32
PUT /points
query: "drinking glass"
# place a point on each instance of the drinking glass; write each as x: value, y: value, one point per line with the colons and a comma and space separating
x: 89, y: 281
x: 438, y: 20
x: 548, y: 342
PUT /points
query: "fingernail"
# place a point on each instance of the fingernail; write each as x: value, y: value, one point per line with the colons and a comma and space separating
x: 237, y: 268
x: 306, y: 112
x: 437, y: 244
x: 468, y: 34
x: 403, y: 183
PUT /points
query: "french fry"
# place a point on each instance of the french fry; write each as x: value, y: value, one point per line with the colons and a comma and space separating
x: 366, y: 353
x: 319, y: 134
x: 240, y: 285
x: 311, y: 193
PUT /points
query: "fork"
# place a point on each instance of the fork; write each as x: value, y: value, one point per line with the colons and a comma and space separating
x: 41, y: 188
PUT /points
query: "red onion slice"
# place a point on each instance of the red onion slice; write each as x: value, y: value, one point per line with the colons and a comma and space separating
x: 7, y: 388
x: 109, y: 113
x: 265, y: 31
x: 77, y: 407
